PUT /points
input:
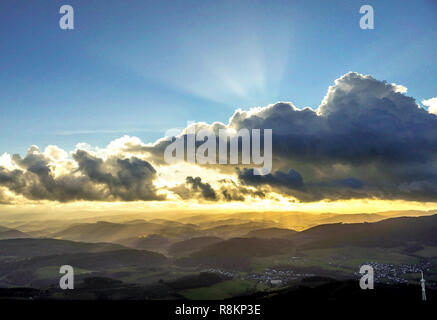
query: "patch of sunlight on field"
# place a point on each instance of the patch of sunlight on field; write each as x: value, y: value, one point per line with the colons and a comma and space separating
x: 354, y: 256
x: 146, y: 276
x: 335, y: 259
x: 53, y: 272
x: 222, y: 290
x: 427, y: 252
x: 261, y: 263
x: 296, y: 261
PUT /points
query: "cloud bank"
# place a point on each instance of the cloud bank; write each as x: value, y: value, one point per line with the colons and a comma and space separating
x: 367, y: 139
x: 85, y: 177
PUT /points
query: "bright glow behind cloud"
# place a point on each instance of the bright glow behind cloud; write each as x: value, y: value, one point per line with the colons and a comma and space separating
x: 431, y: 104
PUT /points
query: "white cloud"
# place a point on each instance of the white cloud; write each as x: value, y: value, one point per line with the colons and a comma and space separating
x: 399, y: 88
x: 431, y: 104
x: 357, y: 144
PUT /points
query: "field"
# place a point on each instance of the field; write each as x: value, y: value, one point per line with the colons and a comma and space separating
x: 52, y: 272
x: 343, y: 260
x: 427, y: 252
x: 223, y: 290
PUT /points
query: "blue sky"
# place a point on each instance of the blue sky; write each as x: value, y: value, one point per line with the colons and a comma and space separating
x: 142, y: 67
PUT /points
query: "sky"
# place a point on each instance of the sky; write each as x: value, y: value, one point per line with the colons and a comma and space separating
x: 131, y: 70
x: 127, y: 63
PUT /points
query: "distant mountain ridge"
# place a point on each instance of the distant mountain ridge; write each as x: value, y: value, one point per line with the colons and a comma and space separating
x: 194, y: 244
x: 7, y: 233
x: 268, y: 233
x: 386, y: 233
x: 36, y: 262
x: 27, y: 248
x: 237, y: 253
x: 116, y: 232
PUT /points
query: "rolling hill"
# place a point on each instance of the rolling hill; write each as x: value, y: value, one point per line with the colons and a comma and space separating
x: 115, y: 232
x: 6, y: 233
x: 28, y: 248
x: 269, y: 233
x: 36, y: 262
x: 97, y: 261
x: 234, y: 230
x: 187, y: 247
x: 153, y: 242
x: 386, y: 233
x: 237, y: 253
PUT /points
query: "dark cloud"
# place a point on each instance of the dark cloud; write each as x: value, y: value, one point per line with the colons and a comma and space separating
x: 205, y: 188
x: 291, y: 183
x: 364, y: 129
x: 232, y: 191
x: 366, y: 139
x: 125, y: 179
x: 228, y: 190
x: 291, y: 180
x: 194, y: 188
x: 347, y: 183
x: 232, y: 195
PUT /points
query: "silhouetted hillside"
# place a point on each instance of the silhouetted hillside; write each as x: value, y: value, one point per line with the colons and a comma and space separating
x: 189, y: 246
x: 26, y: 248
x: 202, y: 279
x: 12, y: 234
x: 272, y: 233
x: 237, y: 253
x: 115, y: 232
x: 387, y: 233
x: 43, y: 270
x: 98, y: 260
x: 234, y: 230
x: 345, y: 292
x: 154, y: 242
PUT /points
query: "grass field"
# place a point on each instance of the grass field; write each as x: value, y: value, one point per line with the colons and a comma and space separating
x: 336, y: 259
x: 222, y: 290
x: 351, y: 257
x: 427, y: 252
x: 145, y: 276
x: 52, y: 272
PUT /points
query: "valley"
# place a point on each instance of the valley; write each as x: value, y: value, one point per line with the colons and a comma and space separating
x: 200, y: 258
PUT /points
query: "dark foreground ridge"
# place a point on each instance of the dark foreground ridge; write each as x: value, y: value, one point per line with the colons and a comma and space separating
x: 321, y: 289
x: 340, y: 298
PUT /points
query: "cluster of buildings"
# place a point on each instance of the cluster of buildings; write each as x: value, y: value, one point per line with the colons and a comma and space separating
x: 276, y: 277
x: 269, y: 276
x: 383, y: 273
x: 395, y: 273
x: 224, y: 273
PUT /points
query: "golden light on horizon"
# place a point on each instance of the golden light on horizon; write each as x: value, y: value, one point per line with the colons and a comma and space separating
x: 265, y: 205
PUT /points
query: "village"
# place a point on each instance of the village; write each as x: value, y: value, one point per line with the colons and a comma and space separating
x: 383, y: 273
